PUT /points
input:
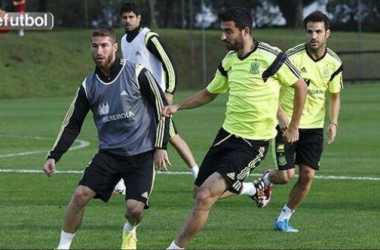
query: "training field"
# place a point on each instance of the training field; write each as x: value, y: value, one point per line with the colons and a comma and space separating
x: 341, y: 212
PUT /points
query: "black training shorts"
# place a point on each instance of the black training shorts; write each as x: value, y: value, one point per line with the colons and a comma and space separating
x: 306, y: 151
x: 233, y: 157
x: 106, y: 169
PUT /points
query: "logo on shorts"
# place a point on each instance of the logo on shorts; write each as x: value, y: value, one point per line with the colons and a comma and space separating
x: 280, y: 148
x: 145, y: 195
x: 231, y: 175
x: 255, y: 66
x: 282, y: 160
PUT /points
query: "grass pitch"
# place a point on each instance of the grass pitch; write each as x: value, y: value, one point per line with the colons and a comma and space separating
x: 337, y: 214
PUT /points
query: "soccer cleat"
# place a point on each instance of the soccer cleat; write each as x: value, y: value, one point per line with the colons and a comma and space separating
x: 259, y: 196
x: 284, y: 226
x: 129, y: 241
x: 119, y: 188
x: 267, y: 191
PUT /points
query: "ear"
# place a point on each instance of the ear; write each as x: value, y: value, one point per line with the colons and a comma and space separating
x: 246, y: 32
x: 328, y: 33
x: 115, y: 46
x: 138, y: 18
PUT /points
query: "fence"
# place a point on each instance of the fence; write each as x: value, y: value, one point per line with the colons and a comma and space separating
x: 361, y: 65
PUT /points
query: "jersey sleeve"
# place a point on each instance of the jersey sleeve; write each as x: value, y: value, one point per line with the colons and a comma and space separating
x: 219, y: 83
x: 158, y: 48
x: 71, y: 125
x: 156, y: 98
x: 287, y: 74
x: 336, y: 81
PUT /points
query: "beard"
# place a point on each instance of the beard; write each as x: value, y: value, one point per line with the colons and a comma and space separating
x: 235, y: 45
x: 102, y: 62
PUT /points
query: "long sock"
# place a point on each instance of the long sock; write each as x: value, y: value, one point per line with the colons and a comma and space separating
x: 65, y: 240
x: 285, y: 214
x: 174, y: 246
x: 248, y: 189
x: 195, y: 171
x: 128, y: 228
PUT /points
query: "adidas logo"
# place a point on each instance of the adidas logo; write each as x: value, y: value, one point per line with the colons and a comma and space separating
x: 145, y: 195
x: 138, y: 53
x: 303, y: 70
x: 231, y: 175
x: 123, y: 93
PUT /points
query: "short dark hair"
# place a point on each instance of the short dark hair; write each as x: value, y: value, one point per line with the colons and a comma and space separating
x: 317, y: 16
x: 241, y: 16
x: 105, y: 31
x: 130, y: 7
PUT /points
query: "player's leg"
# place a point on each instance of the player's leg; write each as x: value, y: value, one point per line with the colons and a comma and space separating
x: 74, y: 215
x: 97, y: 181
x: 302, y: 187
x: 206, y: 196
x: 138, y: 177
x: 308, y: 154
x: 183, y: 149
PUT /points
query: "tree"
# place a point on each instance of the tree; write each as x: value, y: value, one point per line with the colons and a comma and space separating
x: 292, y: 10
x: 152, y: 13
x: 169, y: 9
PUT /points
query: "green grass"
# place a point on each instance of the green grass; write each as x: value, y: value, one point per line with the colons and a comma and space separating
x: 54, y: 63
x: 337, y: 214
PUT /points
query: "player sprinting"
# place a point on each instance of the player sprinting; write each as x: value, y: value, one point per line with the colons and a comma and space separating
x: 126, y: 103
x: 147, y: 48
x: 322, y: 70
x: 251, y: 73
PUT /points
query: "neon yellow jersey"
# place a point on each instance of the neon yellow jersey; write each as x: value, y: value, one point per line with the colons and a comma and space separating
x: 253, y: 85
x: 323, y: 75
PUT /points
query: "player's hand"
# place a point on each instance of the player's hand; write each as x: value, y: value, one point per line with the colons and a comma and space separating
x: 168, y: 110
x: 161, y: 159
x: 283, y: 123
x: 291, y: 135
x: 49, y: 167
x: 169, y: 98
x: 331, y: 132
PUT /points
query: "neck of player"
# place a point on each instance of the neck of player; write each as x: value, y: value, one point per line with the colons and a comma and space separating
x: 248, y: 46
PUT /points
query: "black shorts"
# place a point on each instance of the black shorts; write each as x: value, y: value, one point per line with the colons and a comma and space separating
x: 106, y: 169
x: 233, y: 157
x: 306, y: 151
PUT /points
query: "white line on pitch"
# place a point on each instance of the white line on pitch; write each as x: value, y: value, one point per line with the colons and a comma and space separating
x: 82, y: 144
x: 326, y: 177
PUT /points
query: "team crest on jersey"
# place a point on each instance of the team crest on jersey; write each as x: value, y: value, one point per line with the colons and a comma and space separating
x: 255, y: 66
x: 103, y: 109
x: 326, y: 72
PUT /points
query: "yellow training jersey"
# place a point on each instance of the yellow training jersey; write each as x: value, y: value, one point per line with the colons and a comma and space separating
x: 322, y: 75
x: 253, y: 86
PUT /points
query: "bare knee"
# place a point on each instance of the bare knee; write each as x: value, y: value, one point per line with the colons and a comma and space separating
x: 134, y: 212
x: 203, y: 199
x: 306, y: 176
x: 82, y: 196
x: 281, y: 177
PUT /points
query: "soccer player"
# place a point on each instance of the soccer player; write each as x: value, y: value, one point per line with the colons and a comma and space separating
x: 251, y: 72
x: 146, y: 47
x: 126, y: 103
x: 322, y: 70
